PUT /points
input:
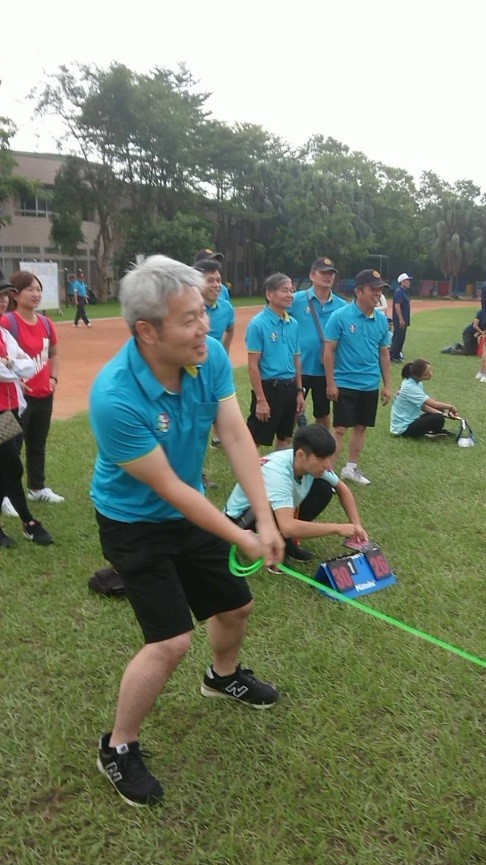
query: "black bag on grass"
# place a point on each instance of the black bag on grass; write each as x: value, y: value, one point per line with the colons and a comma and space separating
x: 107, y: 582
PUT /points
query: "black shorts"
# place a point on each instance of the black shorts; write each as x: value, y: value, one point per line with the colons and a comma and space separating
x: 281, y: 396
x: 316, y: 385
x: 355, y: 407
x: 169, y: 569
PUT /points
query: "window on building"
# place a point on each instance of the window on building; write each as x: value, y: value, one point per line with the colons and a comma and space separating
x: 34, y: 205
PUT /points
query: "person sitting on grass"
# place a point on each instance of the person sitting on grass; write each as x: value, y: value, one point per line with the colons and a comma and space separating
x: 415, y: 414
x: 300, y: 485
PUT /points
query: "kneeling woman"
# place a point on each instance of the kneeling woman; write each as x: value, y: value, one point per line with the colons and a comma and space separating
x: 414, y: 413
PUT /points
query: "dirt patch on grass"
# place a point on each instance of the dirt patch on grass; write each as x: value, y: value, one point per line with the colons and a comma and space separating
x: 84, y: 350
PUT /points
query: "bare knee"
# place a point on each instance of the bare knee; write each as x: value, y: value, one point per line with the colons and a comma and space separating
x: 236, y: 617
x: 340, y: 431
x: 173, y: 650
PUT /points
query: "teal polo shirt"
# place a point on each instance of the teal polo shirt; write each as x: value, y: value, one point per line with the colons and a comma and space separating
x: 283, y: 489
x: 221, y: 316
x: 310, y: 343
x: 359, y: 340
x: 407, y: 405
x: 132, y: 414
x: 80, y: 288
x: 276, y: 339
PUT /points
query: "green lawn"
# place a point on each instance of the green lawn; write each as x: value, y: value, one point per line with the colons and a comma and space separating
x: 375, y: 755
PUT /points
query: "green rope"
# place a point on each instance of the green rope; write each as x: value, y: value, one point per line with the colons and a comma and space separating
x: 240, y: 570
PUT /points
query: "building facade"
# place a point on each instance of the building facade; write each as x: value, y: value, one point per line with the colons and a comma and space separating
x: 26, y: 236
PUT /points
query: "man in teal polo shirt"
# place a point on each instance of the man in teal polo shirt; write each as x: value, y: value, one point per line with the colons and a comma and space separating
x: 311, y: 309
x: 152, y: 407
x: 355, y: 357
x: 221, y: 319
x: 80, y: 294
x: 274, y: 366
x: 220, y: 311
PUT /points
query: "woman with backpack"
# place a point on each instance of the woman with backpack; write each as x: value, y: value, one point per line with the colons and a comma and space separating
x: 15, y: 367
x: 36, y: 335
x: 415, y: 414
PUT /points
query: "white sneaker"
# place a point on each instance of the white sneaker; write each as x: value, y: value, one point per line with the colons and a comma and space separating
x: 8, y: 509
x: 354, y: 475
x: 479, y: 375
x: 44, y: 495
x: 483, y: 378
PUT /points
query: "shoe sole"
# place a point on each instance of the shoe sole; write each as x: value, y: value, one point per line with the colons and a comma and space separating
x: 101, y: 769
x: 48, y: 501
x: 209, y: 692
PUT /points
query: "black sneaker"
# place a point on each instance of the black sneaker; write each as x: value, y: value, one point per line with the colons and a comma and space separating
x: 294, y: 551
x: 215, y: 442
x: 242, y: 686
x: 128, y: 773
x: 35, y: 531
x: 208, y: 484
x: 6, y: 540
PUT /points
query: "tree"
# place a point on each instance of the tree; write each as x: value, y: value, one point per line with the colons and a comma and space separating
x: 10, y: 183
x: 452, y: 237
x: 178, y: 238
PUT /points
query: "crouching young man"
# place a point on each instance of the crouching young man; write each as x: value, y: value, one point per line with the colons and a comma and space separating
x: 299, y: 486
x: 152, y: 407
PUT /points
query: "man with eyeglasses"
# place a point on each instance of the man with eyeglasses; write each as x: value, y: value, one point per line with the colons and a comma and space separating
x: 274, y: 366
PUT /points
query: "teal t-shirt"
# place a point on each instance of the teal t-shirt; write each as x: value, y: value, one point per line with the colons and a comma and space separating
x: 360, y: 339
x: 283, y: 489
x: 221, y: 316
x: 132, y: 413
x: 407, y: 405
x: 309, y: 338
x: 276, y: 340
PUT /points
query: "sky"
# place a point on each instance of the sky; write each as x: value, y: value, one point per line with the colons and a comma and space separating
x: 402, y: 82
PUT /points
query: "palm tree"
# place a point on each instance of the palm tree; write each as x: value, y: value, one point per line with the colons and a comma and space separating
x: 451, y: 234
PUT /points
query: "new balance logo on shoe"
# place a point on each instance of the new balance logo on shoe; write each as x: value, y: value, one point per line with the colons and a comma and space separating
x: 111, y: 769
x: 236, y: 690
x: 242, y: 686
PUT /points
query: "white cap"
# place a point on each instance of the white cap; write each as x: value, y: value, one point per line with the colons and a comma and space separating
x: 403, y: 276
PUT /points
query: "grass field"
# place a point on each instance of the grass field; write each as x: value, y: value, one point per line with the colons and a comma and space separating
x: 375, y: 755
x: 111, y: 308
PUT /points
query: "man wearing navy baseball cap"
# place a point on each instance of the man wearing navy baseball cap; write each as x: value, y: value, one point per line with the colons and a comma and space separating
x: 356, y: 356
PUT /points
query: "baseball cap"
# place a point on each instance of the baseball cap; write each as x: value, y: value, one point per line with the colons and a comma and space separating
x: 371, y: 278
x: 5, y: 285
x: 323, y: 264
x: 208, y: 253
x: 403, y: 276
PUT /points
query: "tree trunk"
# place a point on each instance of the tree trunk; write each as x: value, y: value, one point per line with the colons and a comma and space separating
x: 104, y: 256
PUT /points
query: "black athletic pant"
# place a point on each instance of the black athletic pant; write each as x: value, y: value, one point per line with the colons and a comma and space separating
x: 35, y: 422
x: 11, y: 471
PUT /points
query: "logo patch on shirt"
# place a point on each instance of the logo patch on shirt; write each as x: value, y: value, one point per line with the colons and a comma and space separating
x: 352, y: 328
x: 274, y: 337
x: 163, y: 422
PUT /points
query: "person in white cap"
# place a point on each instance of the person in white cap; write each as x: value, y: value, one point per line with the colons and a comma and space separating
x: 400, y: 316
